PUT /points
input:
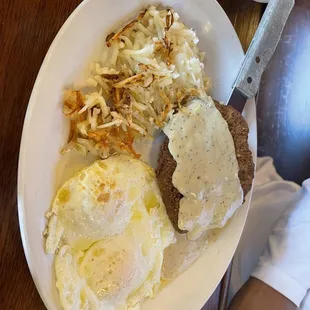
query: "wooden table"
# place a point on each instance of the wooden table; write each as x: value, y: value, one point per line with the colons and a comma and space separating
x: 27, y: 28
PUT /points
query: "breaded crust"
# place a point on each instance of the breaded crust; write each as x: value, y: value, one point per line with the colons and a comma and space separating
x: 171, y: 196
x: 166, y: 164
x: 239, y: 130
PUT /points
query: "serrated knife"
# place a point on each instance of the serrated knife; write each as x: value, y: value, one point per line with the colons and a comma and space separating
x: 262, y: 48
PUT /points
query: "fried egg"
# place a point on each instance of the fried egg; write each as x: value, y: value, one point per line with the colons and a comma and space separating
x: 108, y: 230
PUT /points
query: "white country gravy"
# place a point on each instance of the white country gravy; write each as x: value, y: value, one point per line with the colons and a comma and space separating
x: 207, y: 167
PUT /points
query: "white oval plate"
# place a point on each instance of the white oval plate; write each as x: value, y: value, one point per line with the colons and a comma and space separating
x: 42, y: 170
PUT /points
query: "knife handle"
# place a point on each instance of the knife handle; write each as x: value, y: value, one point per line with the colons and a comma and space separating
x: 263, y: 46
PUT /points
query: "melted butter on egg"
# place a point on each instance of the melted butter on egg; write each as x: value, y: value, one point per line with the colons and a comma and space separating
x: 207, y: 167
x: 108, y: 230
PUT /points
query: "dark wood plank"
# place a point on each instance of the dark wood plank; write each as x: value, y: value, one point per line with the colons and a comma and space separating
x: 245, y: 16
x: 225, y: 289
x: 283, y: 101
x: 214, y: 300
x: 218, y: 300
x: 27, y: 28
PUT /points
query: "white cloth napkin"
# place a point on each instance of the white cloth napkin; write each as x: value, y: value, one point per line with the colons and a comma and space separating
x: 279, y: 222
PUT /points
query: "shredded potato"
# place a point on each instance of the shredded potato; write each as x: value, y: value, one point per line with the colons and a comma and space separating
x: 149, y: 68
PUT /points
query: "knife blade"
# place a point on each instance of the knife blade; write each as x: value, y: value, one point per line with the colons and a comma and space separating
x: 262, y: 48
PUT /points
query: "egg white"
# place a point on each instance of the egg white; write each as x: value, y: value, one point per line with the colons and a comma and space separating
x: 108, y: 231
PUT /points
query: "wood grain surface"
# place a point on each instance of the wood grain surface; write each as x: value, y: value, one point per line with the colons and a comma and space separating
x: 27, y: 29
